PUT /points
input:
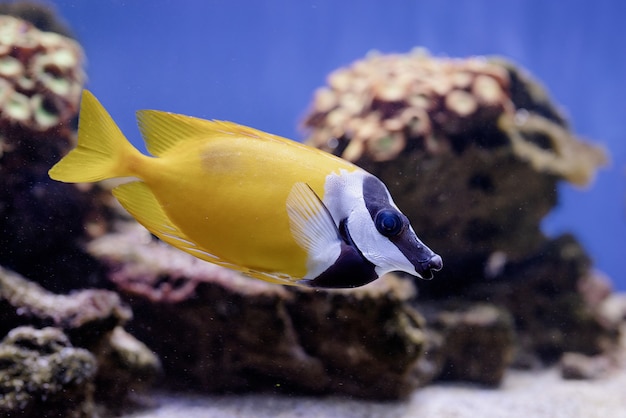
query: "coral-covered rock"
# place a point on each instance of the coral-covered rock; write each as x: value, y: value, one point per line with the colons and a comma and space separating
x: 89, y: 319
x: 41, y: 77
x: 472, y: 151
x: 43, y: 375
x: 242, y: 334
x: 42, y: 221
x: 445, y: 134
x: 44, y: 224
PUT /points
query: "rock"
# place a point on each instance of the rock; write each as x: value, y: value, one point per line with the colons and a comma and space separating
x: 368, y: 340
x: 551, y: 315
x: 84, y: 315
x: 579, y: 366
x: 126, y: 368
x: 89, y: 320
x: 43, y: 375
x: 478, y: 342
x: 249, y: 335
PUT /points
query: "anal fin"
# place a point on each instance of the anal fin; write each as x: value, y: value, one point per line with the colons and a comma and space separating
x: 141, y: 203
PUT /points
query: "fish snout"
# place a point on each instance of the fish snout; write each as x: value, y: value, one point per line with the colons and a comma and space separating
x: 434, y: 263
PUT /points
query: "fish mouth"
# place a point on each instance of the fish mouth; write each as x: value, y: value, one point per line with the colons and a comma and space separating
x: 428, y: 267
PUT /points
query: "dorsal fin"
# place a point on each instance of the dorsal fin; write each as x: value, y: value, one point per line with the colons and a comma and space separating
x: 163, y: 130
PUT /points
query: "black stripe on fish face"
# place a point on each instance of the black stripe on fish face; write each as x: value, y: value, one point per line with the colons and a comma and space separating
x: 351, y: 269
x: 377, y: 202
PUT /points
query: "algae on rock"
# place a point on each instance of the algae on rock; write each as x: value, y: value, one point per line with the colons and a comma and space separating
x: 83, y: 328
x: 43, y: 375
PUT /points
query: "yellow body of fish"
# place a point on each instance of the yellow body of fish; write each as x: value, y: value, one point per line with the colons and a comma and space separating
x: 235, y: 196
x: 213, y: 189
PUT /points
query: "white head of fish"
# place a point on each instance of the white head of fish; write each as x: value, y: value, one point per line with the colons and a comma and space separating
x: 366, y: 215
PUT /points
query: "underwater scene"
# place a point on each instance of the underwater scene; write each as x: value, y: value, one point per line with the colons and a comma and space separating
x: 312, y: 208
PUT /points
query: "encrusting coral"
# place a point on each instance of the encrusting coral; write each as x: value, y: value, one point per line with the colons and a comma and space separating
x: 385, y: 105
x: 41, y: 76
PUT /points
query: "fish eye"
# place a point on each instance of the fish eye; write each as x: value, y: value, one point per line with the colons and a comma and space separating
x: 388, y: 223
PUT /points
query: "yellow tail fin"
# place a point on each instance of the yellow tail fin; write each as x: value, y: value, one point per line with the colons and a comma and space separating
x: 102, y: 152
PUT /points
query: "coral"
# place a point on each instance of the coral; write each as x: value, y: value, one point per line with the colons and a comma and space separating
x: 89, y: 319
x: 251, y: 335
x: 41, y: 77
x: 43, y: 375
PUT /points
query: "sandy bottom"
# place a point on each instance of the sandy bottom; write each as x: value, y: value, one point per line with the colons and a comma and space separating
x: 523, y: 394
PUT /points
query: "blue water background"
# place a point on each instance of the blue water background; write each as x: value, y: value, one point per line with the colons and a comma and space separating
x: 258, y: 63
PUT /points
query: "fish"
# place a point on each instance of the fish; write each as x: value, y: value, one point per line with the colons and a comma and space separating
x: 269, y: 207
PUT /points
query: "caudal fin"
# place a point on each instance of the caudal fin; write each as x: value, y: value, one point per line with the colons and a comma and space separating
x: 102, y: 151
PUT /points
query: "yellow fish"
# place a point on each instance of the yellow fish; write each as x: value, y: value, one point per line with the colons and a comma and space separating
x: 272, y: 208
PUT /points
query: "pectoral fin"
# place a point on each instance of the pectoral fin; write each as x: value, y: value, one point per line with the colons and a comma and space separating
x: 313, y: 228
